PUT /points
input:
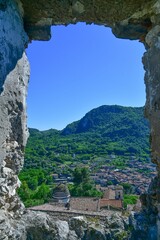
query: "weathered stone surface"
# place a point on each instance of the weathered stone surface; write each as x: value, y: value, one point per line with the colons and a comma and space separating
x: 114, y: 227
x: 129, y: 18
x: 40, y: 226
x: 14, y: 134
x: 95, y: 233
x: 152, y: 110
x: 13, y: 130
x: 79, y: 225
x: 142, y: 228
x: 13, y: 38
x: 132, y: 19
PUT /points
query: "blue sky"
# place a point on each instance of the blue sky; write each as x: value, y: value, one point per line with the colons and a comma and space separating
x: 82, y: 67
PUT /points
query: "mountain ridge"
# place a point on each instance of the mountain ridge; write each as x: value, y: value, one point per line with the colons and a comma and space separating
x: 99, y: 116
x: 104, y: 130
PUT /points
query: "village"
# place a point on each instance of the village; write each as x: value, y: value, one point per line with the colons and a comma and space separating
x: 136, y: 173
x: 108, y: 179
x: 131, y: 175
x: 62, y: 201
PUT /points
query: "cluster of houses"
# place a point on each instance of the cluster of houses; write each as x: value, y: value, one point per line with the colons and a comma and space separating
x: 134, y: 173
x: 112, y: 199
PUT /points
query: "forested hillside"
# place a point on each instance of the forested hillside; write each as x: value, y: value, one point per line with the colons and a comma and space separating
x: 108, y: 135
x: 102, y: 131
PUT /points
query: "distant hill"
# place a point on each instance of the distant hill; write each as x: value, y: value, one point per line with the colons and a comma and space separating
x: 102, y: 131
x: 111, y: 121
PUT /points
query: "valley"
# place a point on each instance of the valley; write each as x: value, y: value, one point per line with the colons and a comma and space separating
x: 112, y: 142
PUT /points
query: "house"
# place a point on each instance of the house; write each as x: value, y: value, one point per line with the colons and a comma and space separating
x: 107, y: 203
x: 111, y: 192
x: 112, y: 197
x: 94, y: 204
x: 55, y: 176
x: 85, y: 203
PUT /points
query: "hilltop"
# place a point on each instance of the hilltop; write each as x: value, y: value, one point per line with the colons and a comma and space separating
x: 102, y: 131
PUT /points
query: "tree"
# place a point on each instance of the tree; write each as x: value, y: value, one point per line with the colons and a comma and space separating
x: 43, y: 192
x: 24, y: 191
x: 80, y: 175
x: 129, y: 199
x: 83, y: 185
x: 33, y: 183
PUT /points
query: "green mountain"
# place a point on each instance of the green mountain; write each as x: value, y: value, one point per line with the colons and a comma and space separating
x: 111, y: 121
x: 102, y: 131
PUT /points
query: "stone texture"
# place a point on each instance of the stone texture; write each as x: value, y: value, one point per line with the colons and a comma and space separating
x: 12, y: 141
x: 132, y: 19
x: 39, y: 226
x: 13, y: 38
x: 13, y: 130
x: 79, y: 225
x: 142, y: 227
x: 129, y: 18
x: 14, y: 134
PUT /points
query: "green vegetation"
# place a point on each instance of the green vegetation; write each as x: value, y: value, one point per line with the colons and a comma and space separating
x: 35, y: 188
x: 114, y: 131
x: 103, y: 131
x: 83, y: 187
x: 128, y: 188
x: 129, y: 199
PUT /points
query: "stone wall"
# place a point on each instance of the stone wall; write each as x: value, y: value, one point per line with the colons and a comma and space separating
x: 14, y: 133
x: 131, y: 19
x: 14, y: 76
x: 13, y: 38
x: 84, y: 204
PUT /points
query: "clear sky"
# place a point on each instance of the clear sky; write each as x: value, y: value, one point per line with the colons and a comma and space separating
x: 82, y: 67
